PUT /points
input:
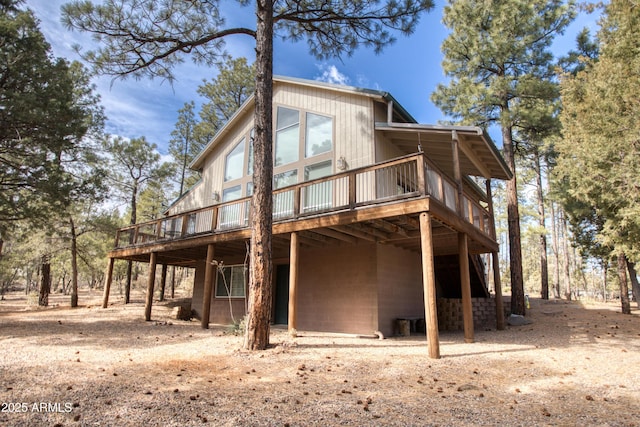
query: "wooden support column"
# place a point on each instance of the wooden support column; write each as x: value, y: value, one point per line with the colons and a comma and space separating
x: 293, y: 281
x: 107, y: 282
x: 163, y: 281
x: 465, y: 283
x: 495, y: 261
x: 209, y: 275
x: 429, y: 284
x: 150, y: 285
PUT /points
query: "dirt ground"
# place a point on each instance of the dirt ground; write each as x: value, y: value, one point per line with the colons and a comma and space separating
x: 576, y: 364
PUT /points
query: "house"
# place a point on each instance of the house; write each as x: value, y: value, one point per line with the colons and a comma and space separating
x: 376, y: 217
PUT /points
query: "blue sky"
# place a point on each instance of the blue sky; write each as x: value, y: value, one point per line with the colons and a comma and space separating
x: 409, y: 70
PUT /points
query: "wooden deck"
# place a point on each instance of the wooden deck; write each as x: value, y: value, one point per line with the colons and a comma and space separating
x: 379, y: 203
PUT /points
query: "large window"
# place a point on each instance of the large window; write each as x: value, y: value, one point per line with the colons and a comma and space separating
x: 231, y: 281
x: 287, y: 136
x: 303, y: 150
x: 234, y: 162
x: 319, y: 135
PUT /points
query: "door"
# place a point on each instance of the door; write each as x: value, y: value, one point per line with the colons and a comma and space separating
x: 281, y: 315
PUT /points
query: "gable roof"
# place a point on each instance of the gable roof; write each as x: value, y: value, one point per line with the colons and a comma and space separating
x: 481, y: 158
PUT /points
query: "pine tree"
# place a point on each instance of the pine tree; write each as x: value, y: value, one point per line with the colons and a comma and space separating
x: 599, y: 152
x: 498, y: 60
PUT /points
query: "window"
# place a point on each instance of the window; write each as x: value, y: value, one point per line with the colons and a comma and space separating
x: 232, y: 193
x: 231, y: 281
x: 285, y: 178
x: 319, y: 135
x: 287, y: 136
x: 234, y: 162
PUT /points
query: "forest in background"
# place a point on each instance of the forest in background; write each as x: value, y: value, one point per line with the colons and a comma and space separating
x: 66, y: 186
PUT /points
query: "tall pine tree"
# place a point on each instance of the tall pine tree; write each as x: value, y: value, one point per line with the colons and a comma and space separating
x: 598, y: 157
x: 497, y: 57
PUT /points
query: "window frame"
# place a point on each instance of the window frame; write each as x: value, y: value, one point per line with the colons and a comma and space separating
x: 220, y: 284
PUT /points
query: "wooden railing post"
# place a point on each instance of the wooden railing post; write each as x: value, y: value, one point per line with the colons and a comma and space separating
x: 159, y: 229
x: 135, y: 234
x: 420, y: 167
x: 214, y: 218
x: 296, y: 201
x: 352, y: 190
x: 185, y: 224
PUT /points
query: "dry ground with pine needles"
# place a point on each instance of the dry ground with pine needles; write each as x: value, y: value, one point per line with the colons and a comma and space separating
x: 576, y: 364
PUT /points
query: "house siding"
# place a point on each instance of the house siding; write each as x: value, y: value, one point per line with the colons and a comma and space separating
x: 400, y: 290
x: 337, y: 289
x: 352, y: 113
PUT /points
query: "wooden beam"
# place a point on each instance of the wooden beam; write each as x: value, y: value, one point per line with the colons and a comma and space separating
x: 293, y: 281
x: 336, y: 235
x: 390, y: 227
x: 465, y: 284
x: 365, y: 228
x: 356, y: 233
x: 209, y: 274
x: 473, y: 158
x: 306, y: 239
x: 429, y: 284
x: 107, y: 282
x: 150, y: 285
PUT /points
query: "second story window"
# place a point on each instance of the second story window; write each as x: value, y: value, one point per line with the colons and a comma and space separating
x: 234, y: 162
x: 287, y: 136
x: 319, y: 135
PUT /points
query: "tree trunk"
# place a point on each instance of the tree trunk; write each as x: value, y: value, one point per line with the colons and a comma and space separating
x: 605, y: 267
x: 635, y: 286
x: 544, y: 271
x: 45, y: 283
x: 173, y: 281
x: 132, y: 221
x: 624, y: 286
x: 565, y: 250
x: 74, y: 264
x: 260, y: 286
x: 513, y: 219
x: 554, y: 249
x: 163, y: 282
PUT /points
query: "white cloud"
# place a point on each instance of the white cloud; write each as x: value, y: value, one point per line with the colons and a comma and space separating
x: 331, y: 74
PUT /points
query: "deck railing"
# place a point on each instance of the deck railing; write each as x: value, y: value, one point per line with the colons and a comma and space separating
x: 398, y: 179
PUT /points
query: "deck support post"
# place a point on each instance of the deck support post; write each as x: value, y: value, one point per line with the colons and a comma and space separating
x: 107, y: 282
x: 465, y: 283
x: 209, y: 274
x: 150, y: 285
x: 429, y: 284
x: 293, y: 281
x: 163, y: 281
x: 495, y: 261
